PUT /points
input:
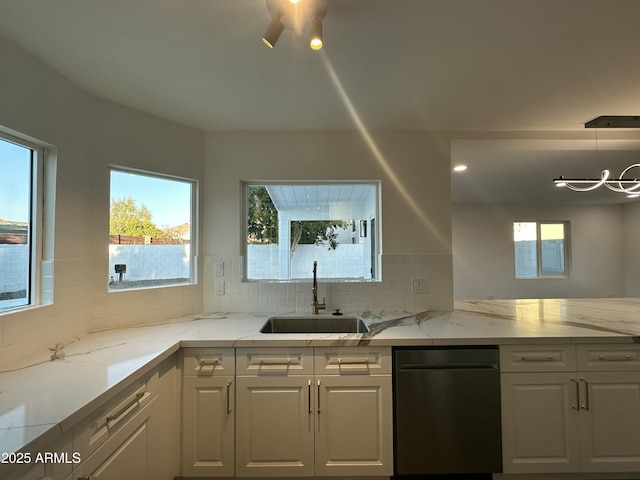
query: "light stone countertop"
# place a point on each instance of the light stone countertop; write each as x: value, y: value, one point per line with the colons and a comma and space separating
x: 41, y: 398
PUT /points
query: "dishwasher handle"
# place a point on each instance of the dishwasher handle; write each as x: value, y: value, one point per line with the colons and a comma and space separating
x: 449, y: 366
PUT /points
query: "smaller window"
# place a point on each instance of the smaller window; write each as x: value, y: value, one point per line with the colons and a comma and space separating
x: 540, y: 249
x: 150, y: 230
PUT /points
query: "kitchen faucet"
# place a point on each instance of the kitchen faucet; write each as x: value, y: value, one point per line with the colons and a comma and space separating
x: 316, y: 306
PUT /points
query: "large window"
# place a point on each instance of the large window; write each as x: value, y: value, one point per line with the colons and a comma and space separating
x: 540, y: 249
x: 151, y: 230
x: 291, y: 225
x: 22, y: 204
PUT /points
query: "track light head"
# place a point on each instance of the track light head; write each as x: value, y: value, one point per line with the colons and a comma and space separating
x: 297, y: 16
x: 316, y: 34
x: 274, y: 30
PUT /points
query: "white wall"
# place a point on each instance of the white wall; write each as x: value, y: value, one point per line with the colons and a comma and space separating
x: 90, y: 134
x: 483, y: 259
x: 416, y: 217
x: 632, y: 249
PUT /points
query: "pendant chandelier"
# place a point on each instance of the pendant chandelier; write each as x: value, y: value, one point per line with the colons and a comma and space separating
x: 622, y: 184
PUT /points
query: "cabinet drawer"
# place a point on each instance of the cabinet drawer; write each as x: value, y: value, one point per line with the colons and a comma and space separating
x: 608, y: 357
x: 125, y: 454
x: 537, y: 358
x: 198, y: 362
x: 274, y: 361
x: 107, y: 420
x: 352, y: 360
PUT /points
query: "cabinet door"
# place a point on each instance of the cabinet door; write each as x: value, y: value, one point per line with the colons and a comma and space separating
x: 354, y: 425
x: 539, y: 422
x: 610, y: 421
x: 208, y: 426
x: 124, y: 455
x: 274, y: 424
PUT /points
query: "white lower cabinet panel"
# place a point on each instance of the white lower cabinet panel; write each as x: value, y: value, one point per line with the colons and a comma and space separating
x: 354, y: 426
x: 208, y: 426
x: 539, y: 423
x: 584, y: 421
x: 610, y: 422
x: 336, y: 424
x: 122, y: 456
x: 274, y: 426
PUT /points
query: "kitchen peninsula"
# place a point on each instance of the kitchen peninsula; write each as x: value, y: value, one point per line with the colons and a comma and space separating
x: 43, y: 398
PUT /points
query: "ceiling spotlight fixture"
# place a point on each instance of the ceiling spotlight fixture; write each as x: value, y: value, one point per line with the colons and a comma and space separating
x: 459, y: 168
x: 316, y: 34
x: 274, y: 30
x: 298, y: 16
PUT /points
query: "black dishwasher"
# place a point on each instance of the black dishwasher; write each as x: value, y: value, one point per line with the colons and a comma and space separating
x: 447, y: 411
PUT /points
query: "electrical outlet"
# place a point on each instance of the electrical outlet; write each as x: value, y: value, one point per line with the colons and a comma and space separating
x: 219, y: 287
x: 219, y: 269
x: 419, y: 285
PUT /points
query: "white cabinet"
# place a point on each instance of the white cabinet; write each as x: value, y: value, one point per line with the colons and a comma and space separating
x: 322, y: 411
x: 126, y: 437
x: 354, y: 418
x: 568, y: 408
x: 274, y: 427
x: 353, y: 426
x: 539, y: 423
x: 124, y: 455
x: 208, y: 393
x: 274, y: 412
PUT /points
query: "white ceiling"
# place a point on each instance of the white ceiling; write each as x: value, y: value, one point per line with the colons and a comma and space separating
x: 457, y: 65
x: 522, y: 171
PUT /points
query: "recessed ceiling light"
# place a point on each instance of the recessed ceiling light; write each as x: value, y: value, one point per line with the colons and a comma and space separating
x: 459, y: 168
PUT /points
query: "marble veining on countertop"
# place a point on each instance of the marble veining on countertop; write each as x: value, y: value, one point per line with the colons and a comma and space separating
x: 608, y: 315
x: 44, y: 396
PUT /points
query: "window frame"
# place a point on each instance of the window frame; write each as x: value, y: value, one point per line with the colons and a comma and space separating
x: 41, y: 220
x: 376, y: 264
x: 539, y: 266
x: 194, y: 228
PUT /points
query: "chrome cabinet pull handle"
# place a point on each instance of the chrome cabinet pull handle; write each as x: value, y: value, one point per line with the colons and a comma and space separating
x: 309, y: 396
x: 209, y: 362
x: 119, y: 413
x: 275, y: 361
x: 615, y: 358
x: 576, y: 406
x: 538, y: 358
x: 586, y: 395
x: 318, y: 397
x: 354, y: 361
x: 228, y: 397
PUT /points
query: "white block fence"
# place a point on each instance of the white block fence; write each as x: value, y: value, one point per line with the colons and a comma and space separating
x: 150, y: 262
x: 14, y: 267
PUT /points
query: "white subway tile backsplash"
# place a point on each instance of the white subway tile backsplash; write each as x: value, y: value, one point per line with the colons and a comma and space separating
x: 393, y: 293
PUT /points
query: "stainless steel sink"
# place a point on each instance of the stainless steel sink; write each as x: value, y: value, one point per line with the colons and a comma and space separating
x: 314, y: 324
